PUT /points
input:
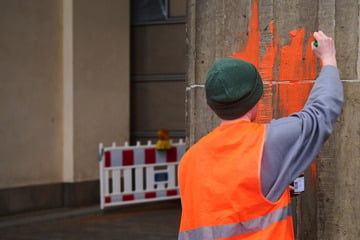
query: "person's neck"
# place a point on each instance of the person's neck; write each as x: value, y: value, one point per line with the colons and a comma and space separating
x: 243, y: 118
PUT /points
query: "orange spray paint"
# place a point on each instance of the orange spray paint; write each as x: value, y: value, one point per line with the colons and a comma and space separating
x: 252, y: 48
x: 294, y: 67
x: 265, y: 107
x: 292, y: 96
x: 291, y: 67
x: 289, y: 82
x: 268, y: 61
x: 313, y: 172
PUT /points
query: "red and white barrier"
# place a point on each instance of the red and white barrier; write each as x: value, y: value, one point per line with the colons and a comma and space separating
x: 137, y: 174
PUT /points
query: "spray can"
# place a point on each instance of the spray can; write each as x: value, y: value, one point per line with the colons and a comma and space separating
x: 298, y: 185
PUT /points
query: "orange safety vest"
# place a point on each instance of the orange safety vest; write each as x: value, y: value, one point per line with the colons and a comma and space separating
x: 220, y: 188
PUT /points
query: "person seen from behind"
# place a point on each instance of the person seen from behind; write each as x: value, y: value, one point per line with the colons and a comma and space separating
x: 234, y: 182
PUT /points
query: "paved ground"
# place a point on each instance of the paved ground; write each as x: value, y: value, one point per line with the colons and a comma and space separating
x: 146, y: 222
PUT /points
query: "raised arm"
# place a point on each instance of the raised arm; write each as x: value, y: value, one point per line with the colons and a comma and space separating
x: 293, y: 142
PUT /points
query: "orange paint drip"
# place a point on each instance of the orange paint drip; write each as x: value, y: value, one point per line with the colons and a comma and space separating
x: 252, y: 49
x: 313, y: 172
x: 268, y: 61
x: 265, y: 107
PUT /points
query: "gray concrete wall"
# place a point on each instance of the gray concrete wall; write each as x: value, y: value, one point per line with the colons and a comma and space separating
x: 329, y: 207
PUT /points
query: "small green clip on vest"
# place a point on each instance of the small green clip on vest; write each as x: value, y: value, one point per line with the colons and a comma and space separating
x: 316, y: 44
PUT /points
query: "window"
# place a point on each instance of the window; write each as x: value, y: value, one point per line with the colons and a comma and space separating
x: 145, y: 11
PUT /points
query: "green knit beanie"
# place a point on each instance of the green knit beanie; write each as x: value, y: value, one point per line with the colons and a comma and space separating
x: 233, y: 87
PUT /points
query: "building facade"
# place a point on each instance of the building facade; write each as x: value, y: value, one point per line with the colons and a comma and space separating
x: 75, y: 73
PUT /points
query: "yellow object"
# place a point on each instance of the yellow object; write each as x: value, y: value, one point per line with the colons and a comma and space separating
x: 163, y: 143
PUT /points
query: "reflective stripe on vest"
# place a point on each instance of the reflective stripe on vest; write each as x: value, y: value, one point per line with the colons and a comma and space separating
x: 220, y: 186
x: 235, y: 229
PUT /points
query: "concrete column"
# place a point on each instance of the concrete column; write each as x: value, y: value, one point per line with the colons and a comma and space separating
x: 328, y: 208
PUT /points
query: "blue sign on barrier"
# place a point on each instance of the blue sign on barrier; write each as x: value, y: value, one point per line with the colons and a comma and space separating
x: 161, y: 177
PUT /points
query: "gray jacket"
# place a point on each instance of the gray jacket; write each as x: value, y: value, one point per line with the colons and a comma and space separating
x: 292, y: 143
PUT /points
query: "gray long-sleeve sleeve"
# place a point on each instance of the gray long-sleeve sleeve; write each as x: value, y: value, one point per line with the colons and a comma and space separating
x: 292, y: 143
